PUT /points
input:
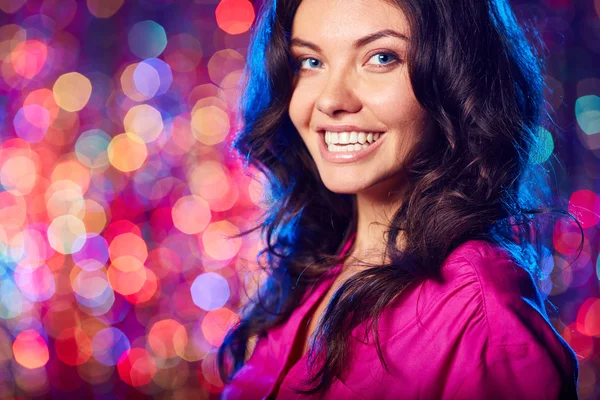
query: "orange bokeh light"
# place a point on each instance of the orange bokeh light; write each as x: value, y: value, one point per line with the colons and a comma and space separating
x: 216, y: 324
x: 167, y: 338
x: 28, y: 58
x: 130, y: 281
x: 30, y: 349
x: 128, y: 244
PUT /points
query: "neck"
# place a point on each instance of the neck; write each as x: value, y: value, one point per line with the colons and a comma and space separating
x: 373, y: 215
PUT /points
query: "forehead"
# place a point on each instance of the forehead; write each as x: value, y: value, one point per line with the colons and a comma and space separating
x: 345, y: 20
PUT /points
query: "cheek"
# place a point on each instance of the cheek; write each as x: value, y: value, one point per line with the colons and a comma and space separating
x: 299, y: 109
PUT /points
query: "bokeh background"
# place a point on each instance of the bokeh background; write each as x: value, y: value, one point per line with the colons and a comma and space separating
x: 118, y: 192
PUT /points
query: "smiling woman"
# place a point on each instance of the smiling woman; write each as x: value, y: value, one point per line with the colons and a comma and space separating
x: 404, y: 234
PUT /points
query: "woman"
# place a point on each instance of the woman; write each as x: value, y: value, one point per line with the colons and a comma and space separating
x: 397, y: 137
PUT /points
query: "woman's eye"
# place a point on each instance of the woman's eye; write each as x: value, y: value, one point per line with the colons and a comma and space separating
x: 386, y: 58
x: 300, y: 62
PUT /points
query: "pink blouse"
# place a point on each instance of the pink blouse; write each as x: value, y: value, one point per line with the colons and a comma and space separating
x: 481, y: 334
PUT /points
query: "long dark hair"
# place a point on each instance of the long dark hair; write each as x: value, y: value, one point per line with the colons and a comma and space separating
x: 474, y: 70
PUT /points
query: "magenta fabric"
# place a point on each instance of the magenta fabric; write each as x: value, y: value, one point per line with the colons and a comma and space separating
x: 481, y: 334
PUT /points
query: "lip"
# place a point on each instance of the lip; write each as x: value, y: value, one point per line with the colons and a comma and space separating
x: 348, y: 157
x: 343, y: 128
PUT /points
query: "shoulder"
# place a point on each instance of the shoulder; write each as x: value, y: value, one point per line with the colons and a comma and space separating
x: 486, y: 315
x: 507, y: 296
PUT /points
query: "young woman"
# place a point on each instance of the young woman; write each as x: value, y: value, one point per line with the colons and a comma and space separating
x: 402, y: 259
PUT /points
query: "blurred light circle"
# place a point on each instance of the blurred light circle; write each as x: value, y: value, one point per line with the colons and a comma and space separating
x: 130, y: 281
x: 167, y: 338
x: 63, y: 233
x: 210, y: 125
x: 11, y: 6
x: 210, y: 291
x: 183, y: 52
x: 146, y: 79
x: 234, y: 16
x: 582, y: 344
x: 30, y: 349
x: 91, y: 148
x: 172, y: 377
x: 73, y: 346
x: 222, y: 63
x: 13, y: 210
x: 18, y: 174
x: 28, y: 58
x: 93, y: 253
x: 116, y: 228
x: 128, y: 244
x: 145, y: 122
x: 64, y: 130
x: 197, y: 346
x: 148, y: 290
x: 164, y: 262
x: 31, y: 123
x: 97, y: 306
x: 128, y: 84
x: 72, y: 91
x: 256, y: 190
x: 543, y: 148
x: 210, y: 371
x: 37, y: 284
x: 585, y: 205
x: 217, y: 323
x: 90, y: 284
x: 191, y: 214
x: 127, y: 152
x: 95, y: 216
x: 12, y: 302
x: 216, y: 242
x: 147, y: 39
x: 153, y: 77
x: 45, y: 99
x: 109, y: 345
x: 104, y: 8
x: 587, y: 112
x: 67, y: 201
x: 136, y: 367
x: 588, y: 317
x: 30, y: 247
x: 72, y: 170
x: 566, y: 237
x: 61, y: 12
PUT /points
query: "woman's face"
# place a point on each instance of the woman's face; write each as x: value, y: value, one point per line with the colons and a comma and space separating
x: 341, y: 81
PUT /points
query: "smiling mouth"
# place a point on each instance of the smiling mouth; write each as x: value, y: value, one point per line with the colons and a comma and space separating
x: 349, y: 141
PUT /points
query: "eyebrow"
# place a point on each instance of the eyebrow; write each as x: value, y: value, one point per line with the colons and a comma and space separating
x: 358, y: 43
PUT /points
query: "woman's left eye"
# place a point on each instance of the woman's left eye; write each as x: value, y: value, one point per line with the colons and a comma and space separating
x: 387, y: 55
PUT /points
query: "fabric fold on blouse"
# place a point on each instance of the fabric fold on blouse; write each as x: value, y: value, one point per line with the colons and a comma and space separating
x: 482, y: 333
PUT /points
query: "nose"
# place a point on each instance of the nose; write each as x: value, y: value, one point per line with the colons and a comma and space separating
x: 338, y: 95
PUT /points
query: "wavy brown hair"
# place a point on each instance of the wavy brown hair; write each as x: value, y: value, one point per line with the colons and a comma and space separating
x: 480, y: 79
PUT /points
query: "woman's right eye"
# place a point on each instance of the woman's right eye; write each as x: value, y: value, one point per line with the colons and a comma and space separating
x: 300, y: 62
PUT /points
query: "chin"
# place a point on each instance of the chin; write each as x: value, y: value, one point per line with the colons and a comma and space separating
x: 341, y: 187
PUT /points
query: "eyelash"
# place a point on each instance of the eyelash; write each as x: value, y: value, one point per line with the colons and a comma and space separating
x: 394, y: 56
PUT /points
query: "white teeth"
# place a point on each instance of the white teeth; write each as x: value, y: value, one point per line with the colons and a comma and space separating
x: 344, y: 137
x: 350, y: 137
